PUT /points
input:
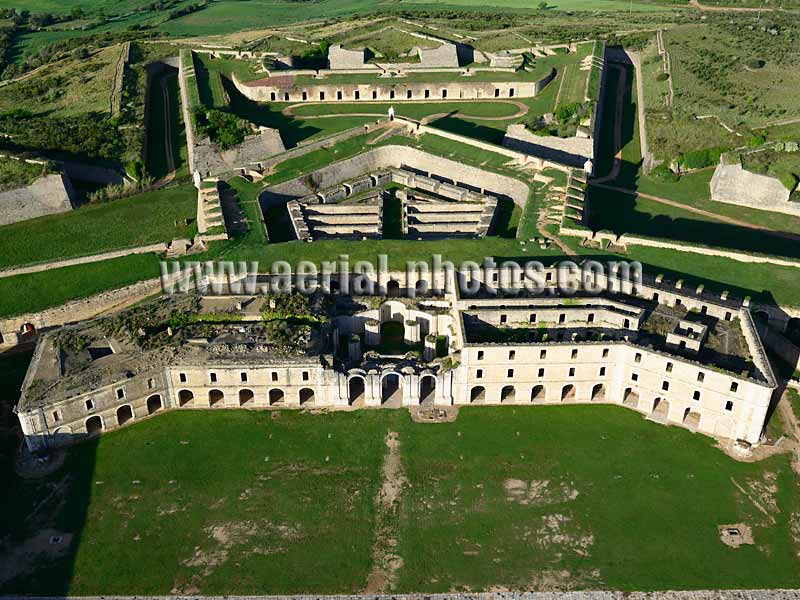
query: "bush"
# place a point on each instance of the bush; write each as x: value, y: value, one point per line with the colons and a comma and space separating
x: 699, y: 159
x: 789, y: 180
x: 664, y: 173
x: 662, y: 76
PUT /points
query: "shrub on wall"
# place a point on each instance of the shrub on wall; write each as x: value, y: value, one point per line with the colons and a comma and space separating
x: 664, y: 173
x: 699, y: 159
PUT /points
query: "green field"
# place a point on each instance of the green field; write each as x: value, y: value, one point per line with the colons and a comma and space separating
x: 148, y: 218
x: 513, y: 497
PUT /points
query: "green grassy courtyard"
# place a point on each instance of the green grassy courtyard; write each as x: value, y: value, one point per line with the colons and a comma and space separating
x: 244, y: 502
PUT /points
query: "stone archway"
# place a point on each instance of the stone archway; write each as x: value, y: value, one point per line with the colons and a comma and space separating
x: 568, y: 393
x: 246, y: 397
x: 427, y: 389
x: 691, y: 419
x: 216, y: 398
x: 306, y: 396
x: 94, y: 425
x: 538, y: 393
x: 660, y: 410
x: 124, y: 414
x: 392, y: 288
x: 630, y: 398
x: 154, y: 404
x: 599, y: 393
x: 276, y: 396
x: 185, y: 397
x: 356, y: 389
x: 508, y: 394
x: 391, y: 389
x: 477, y: 394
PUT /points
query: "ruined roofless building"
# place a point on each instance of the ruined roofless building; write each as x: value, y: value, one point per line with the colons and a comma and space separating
x: 677, y: 356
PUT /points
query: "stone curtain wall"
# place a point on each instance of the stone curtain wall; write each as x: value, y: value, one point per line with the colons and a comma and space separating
x: 397, y: 156
x: 45, y: 196
x: 573, y: 151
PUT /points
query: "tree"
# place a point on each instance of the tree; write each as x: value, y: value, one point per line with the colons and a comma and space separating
x: 542, y: 5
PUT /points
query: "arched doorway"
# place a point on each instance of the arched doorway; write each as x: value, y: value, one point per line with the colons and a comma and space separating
x: 691, y: 419
x: 94, y: 425
x: 355, y: 390
x: 216, y: 398
x: 306, y: 396
x: 660, y: 410
x: 630, y: 398
x: 598, y: 393
x: 393, y: 288
x: 124, y: 414
x: 246, y: 397
x: 276, y: 396
x: 154, y: 404
x: 477, y: 394
x: 508, y: 394
x: 390, y: 388
x: 185, y: 397
x: 538, y: 393
x: 568, y: 393
x: 427, y: 389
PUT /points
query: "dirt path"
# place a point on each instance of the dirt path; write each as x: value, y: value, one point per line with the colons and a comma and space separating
x: 698, y: 211
x: 522, y: 110
x: 706, y: 7
x: 386, y: 564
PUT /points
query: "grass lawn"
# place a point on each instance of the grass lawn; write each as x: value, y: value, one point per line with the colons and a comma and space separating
x: 148, y: 218
x: 516, y: 497
x: 37, y: 291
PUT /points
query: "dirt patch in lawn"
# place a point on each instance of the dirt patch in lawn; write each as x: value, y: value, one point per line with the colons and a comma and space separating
x: 736, y: 535
x: 538, y: 492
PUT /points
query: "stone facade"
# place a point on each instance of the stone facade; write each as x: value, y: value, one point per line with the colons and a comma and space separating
x: 588, y: 349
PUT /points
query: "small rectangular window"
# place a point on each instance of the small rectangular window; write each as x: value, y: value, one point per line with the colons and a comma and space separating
x: 512, y: 354
x: 572, y: 371
x: 669, y: 367
x: 541, y: 372
x: 696, y: 395
x: 634, y: 377
x: 274, y: 376
x: 542, y: 354
x: 637, y: 358
x: 574, y: 353
x: 591, y: 318
x: 182, y: 377
x: 562, y: 318
x: 602, y: 371
x: 734, y: 386
x: 510, y: 373
x: 701, y: 376
x: 503, y: 318
x: 532, y: 318
x: 479, y: 374
x: 306, y: 375
x: 89, y: 404
x: 244, y: 377
x: 480, y: 354
x: 605, y: 352
x: 729, y: 405
x: 213, y: 377
x: 56, y: 416
x: 120, y: 394
x: 665, y: 385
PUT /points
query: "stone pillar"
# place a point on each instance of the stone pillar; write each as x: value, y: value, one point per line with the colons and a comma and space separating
x: 372, y: 332
x: 411, y: 332
x: 410, y: 384
x: 372, y: 389
x: 429, y: 352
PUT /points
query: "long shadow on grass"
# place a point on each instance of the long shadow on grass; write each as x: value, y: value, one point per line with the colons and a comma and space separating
x: 39, y: 509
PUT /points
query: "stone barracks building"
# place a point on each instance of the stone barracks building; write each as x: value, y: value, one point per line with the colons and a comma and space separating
x: 677, y: 356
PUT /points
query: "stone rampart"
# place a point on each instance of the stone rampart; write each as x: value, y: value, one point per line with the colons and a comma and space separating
x: 341, y: 58
x: 47, y: 195
x: 734, y: 185
x: 573, y: 151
